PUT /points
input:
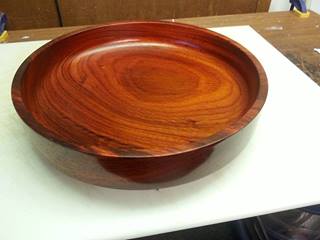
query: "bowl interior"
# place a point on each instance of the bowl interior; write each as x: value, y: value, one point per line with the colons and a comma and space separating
x: 138, y: 89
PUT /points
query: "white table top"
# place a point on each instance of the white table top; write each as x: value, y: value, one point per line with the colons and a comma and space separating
x: 278, y: 169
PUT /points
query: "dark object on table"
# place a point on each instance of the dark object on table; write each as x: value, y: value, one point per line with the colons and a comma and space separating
x: 250, y: 229
x: 135, y: 104
x: 302, y: 224
x: 297, y: 224
x: 221, y: 231
x: 286, y: 224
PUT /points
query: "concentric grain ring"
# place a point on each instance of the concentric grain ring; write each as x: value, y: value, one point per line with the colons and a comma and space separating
x: 139, y: 93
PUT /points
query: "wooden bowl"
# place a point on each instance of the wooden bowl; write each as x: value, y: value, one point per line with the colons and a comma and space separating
x: 134, y: 104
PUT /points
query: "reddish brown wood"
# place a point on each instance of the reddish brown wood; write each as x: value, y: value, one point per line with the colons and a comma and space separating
x: 146, y: 99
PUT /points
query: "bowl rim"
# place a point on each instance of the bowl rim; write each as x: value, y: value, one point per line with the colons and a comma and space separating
x: 228, y: 131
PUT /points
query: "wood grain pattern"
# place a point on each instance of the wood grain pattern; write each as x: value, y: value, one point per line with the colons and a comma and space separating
x: 83, y: 12
x: 23, y: 14
x: 263, y: 5
x: 140, y: 95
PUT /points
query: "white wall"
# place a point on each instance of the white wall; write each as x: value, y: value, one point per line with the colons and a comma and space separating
x: 279, y: 5
x: 315, y: 6
x: 284, y: 5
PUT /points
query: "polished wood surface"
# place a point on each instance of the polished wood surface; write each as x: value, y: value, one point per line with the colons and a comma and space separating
x: 83, y: 12
x: 148, y: 99
x: 295, y: 37
x: 24, y: 14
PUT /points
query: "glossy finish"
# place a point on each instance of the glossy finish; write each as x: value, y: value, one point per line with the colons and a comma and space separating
x: 146, y: 100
